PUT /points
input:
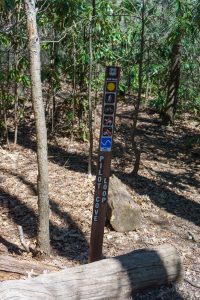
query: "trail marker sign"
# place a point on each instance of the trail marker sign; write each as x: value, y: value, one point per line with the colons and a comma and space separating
x: 104, y: 162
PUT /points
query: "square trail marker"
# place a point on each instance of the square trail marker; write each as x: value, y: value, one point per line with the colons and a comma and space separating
x: 106, y: 144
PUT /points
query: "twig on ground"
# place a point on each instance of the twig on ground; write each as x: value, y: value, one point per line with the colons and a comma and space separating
x: 191, y: 283
x: 22, y: 239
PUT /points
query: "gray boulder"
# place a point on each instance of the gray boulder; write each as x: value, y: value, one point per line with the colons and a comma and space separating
x: 122, y: 213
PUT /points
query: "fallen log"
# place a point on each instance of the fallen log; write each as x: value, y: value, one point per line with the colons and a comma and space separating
x: 113, y: 278
x: 23, y: 267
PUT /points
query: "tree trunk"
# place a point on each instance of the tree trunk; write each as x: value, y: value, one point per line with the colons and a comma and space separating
x: 41, y: 133
x: 16, y: 91
x: 135, y: 147
x: 16, y: 87
x: 54, y: 54
x: 93, y: 9
x: 73, y: 86
x: 113, y: 278
x: 6, y: 92
x: 129, y: 85
x: 90, y: 103
x: 173, y: 84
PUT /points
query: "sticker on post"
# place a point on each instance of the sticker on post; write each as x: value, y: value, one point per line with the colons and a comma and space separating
x: 108, y: 121
x: 110, y: 98
x: 112, y: 72
x: 106, y: 144
x: 109, y: 109
x: 107, y: 131
x: 111, y: 86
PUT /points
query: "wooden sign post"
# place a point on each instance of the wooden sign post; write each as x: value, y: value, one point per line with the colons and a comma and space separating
x: 104, y: 162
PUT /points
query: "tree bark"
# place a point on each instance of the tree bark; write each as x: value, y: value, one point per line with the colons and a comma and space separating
x: 73, y: 86
x: 173, y: 84
x: 135, y: 147
x: 41, y: 133
x: 90, y: 102
x: 113, y: 278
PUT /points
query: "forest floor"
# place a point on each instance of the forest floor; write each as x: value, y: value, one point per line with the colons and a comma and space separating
x: 167, y: 190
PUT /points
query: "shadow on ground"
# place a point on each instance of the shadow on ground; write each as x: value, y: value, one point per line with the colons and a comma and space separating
x: 157, y: 143
x: 161, y: 196
x: 160, y: 145
x: 67, y: 240
x: 10, y: 246
x: 56, y: 154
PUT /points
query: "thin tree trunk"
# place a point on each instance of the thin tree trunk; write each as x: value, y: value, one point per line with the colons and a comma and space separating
x: 147, y: 92
x: 5, y: 102
x: 16, y: 88
x: 94, y: 9
x: 16, y: 91
x: 53, y: 110
x: 90, y: 104
x: 150, y: 88
x: 74, y: 86
x: 135, y: 147
x: 147, y: 80
x: 173, y: 84
x: 83, y: 71
x: 41, y: 133
x: 53, y: 94
x: 16, y: 112
x: 52, y: 86
x: 129, y: 85
x: 96, y: 95
x: 92, y: 23
x: 6, y: 127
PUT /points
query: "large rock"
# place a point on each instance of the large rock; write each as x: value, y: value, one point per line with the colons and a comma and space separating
x: 122, y: 213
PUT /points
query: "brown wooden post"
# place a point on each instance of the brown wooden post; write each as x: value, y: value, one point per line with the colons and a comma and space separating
x: 104, y: 162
